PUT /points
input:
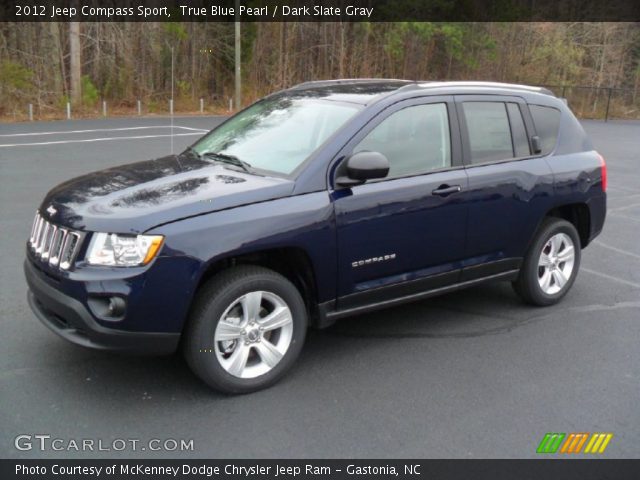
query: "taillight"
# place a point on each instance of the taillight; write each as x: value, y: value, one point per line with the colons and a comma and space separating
x: 603, y: 172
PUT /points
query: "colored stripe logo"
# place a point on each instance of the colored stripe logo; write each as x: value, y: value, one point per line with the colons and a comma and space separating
x: 598, y: 443
x: 550, y: 443
x: 574, y: 443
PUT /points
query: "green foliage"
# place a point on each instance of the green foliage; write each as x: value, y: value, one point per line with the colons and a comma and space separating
x: 175, y: 31
x: 15, y: 80
x: 127, y: 61
x: 452, y: 35
x: 562, y: 60
x: 183, y: 88
x: 90, y: 93
x: 399, y: 33
x: 247, y: 40
x: 62, y: 101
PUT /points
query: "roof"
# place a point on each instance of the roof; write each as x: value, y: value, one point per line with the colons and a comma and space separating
x: 367, y: 90
x: 362, y: 91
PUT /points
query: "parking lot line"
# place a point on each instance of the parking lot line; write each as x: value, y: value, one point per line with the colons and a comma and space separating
x: 615, y: 249
x: 611, y: 277
x: 64, y: 132
x: 626, y: 207
x: 620, y: 215
x: 104, y: 139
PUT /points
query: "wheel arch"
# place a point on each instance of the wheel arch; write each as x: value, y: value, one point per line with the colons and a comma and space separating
x: 293, y: 263
x: 578, y: 215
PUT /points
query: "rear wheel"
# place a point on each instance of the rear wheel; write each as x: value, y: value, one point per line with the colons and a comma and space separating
x: 246, y: 330
x: 551, y: 264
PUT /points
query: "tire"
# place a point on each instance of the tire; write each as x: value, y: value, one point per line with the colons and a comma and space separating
x: 540, y: 281
x: 240, y: 337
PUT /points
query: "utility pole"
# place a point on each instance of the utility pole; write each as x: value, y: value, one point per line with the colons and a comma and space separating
x: 238, y: 69
x: 75, y: 69
x: 171, y: 104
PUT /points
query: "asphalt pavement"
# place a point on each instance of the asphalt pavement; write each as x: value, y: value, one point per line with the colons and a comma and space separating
x: 473, y: 374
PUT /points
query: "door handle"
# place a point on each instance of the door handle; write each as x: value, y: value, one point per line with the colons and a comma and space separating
x: 444, y: 190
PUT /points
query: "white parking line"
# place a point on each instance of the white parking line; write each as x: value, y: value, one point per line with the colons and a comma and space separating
x: 626, y: 207
x: 620, y: 215
x: 99, y: 139
x: 616, y: 249
x: 611, y: 277
x: 614, y: 188
x: 623, y: 196
x: 63, y: 132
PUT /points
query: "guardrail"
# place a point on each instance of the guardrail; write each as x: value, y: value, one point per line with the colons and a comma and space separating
x: 104, y: 109
x: 585, y: 101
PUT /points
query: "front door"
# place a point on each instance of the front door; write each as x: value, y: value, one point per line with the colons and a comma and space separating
x: 407, y: 231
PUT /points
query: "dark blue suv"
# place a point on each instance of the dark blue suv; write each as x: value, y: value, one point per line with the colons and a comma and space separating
x: 321, y: 201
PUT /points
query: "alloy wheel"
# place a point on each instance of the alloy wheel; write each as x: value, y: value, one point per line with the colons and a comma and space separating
x: 253, y: 334
x: 555, y: 264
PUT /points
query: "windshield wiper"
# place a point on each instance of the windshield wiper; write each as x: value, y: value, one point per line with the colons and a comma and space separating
x: 229, y: 159
x: 192, y: 151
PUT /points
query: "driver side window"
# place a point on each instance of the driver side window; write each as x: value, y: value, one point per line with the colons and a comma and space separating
x: 415, y: 140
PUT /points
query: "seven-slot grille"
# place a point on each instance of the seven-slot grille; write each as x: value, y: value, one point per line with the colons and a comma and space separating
x: 53, y: 244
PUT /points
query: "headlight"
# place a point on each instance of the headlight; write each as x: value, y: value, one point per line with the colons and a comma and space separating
x: 117, y: 250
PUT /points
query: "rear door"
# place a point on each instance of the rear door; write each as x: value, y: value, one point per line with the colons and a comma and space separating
x: 510, y: 188
x: 406, y: 231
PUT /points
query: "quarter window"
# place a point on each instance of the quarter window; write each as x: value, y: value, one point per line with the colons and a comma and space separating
x: 547, y: 122
x: 414, y: 140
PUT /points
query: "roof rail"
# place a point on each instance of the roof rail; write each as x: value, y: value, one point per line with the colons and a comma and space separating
x: 411, y: 84
x: 511, y: 86
x: 322, y: 83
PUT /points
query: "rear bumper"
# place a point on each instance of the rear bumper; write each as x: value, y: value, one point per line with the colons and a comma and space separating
x: 69, y: 318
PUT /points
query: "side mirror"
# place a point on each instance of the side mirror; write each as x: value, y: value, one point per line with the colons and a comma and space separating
x: 536, y: 146
x: 362, y: 166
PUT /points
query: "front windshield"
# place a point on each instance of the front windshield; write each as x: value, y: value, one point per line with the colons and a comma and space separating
x: 277, y: 134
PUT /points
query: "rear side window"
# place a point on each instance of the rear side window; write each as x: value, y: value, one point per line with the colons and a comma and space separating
x: 489, y: 131
x: 547, y: 123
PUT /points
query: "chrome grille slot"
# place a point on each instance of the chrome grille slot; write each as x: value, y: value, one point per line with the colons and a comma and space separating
x: 53, y: 244
x: 69, y: 250
x: 34, y: 227
x: 46, y: 247
x: 39, y: 235
x: 37, y: 229
x: 56, y: 246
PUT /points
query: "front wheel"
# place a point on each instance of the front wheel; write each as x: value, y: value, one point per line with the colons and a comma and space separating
x: 246, y: 329
x: 551, y: 264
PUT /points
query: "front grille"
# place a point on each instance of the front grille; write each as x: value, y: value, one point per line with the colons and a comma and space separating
x: 53, y: 244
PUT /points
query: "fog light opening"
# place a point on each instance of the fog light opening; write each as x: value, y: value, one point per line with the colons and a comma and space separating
x: 116, y: 307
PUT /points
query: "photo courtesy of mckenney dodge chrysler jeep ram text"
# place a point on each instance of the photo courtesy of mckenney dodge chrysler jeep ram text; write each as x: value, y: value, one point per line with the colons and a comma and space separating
x: 325, y: 200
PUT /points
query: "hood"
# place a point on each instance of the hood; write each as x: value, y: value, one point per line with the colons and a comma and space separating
x: 136, y: 197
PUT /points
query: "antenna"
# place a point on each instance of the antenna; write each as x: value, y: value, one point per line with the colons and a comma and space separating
x: 172, y: 104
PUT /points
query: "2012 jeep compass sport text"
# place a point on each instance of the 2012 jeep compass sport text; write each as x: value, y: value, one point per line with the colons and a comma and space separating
x: 324, y: 200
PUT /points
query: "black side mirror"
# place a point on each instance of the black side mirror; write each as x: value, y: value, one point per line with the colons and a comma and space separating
x: 536, y: 146
x: 362, y: 166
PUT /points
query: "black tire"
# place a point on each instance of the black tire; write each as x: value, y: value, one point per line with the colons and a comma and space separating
x: 527, y: 285
x: 212, y: 301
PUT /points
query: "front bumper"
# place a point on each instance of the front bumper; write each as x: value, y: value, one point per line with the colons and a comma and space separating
x: 69, y: 318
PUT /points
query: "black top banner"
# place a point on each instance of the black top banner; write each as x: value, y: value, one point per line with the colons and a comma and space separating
x: 318, y: 10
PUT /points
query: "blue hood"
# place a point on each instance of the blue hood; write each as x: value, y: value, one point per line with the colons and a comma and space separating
x: 136, y: 197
